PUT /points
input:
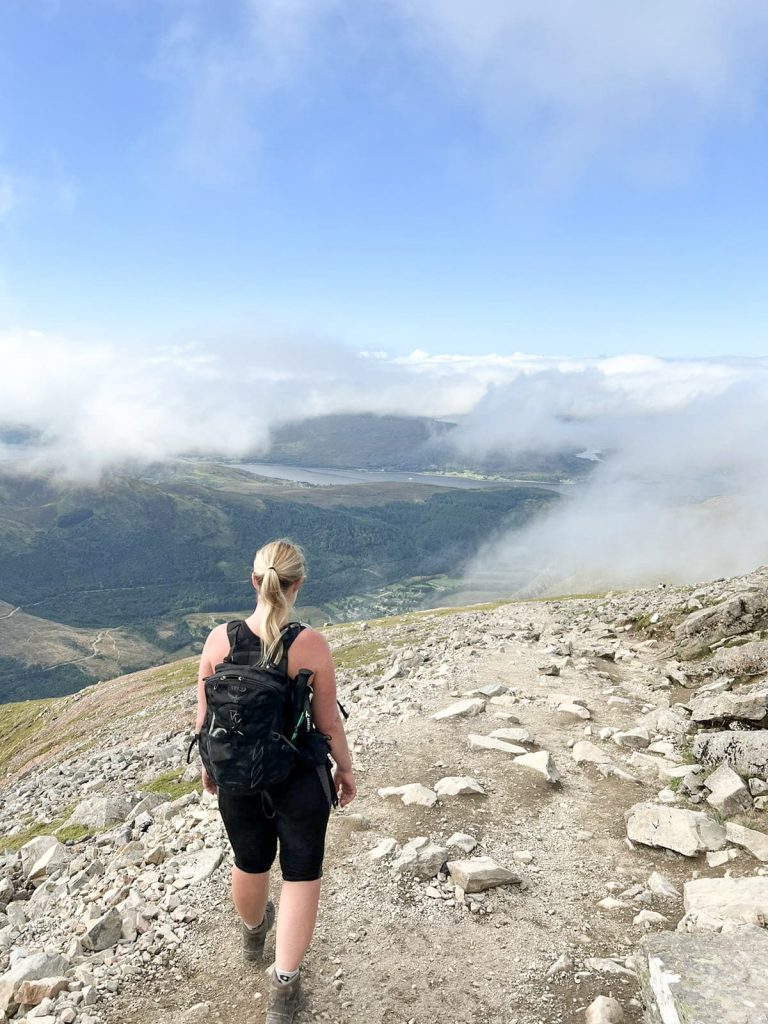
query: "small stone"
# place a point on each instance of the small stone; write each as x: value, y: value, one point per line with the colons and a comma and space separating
x: 103, y: 932
x: 541, y: 762
x: 458, y: 785
x: 728, y: 794
x: 461, y: 709
x: 461, y: 841
x: 386, y: 848
x: 584, y: 750
x: 413, y: 793
x: 604, y: 1010
x: 480, y: 873
x: 477, y: 742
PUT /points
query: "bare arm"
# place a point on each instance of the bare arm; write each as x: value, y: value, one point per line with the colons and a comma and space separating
x: 209, y: 658
x: 325, y: 710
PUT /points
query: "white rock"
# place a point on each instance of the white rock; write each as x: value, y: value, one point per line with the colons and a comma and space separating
x: 718, y: 858
x: 709, y: 902
x: 662, y: 886
x: 480, y: 873
x: 458, y: 785
x: 728, y: 794
x: 635, y: 738
x: 686, y: 832
x: 577, y: 710
x: 461, y: 841
x: 386, y: 848
x: 749, y: 838
x: 461, y: 709
x: 477, y: 742
x: 413, y: 793
x: 541, y: 762
x: 420, y: 857
x: 648, y: 917
x: 604, y: 1010
x: 583, y: 751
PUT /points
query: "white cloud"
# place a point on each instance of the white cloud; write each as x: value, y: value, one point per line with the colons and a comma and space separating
x: 560, y: 82
x: 681, y: 493
x: 574, y: 79
x: 222, y: 64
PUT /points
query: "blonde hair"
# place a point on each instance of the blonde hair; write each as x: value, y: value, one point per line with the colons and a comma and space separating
x: 276, y: 567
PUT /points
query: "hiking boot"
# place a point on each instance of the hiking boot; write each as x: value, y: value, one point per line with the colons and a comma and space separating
x: 284, y: 1000
x: 253, y: 941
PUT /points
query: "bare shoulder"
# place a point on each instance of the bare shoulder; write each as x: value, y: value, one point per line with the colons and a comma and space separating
x: 310, y: 649
x: 312, y: 641
x: 216, y: 645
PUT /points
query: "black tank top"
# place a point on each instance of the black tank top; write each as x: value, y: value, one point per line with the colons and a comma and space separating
x: 245, y: 645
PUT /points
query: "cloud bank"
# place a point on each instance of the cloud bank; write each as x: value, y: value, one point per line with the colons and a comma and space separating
x: 681, y: 493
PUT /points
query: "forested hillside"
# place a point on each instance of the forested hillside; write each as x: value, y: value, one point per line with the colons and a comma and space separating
x: 140, y: 554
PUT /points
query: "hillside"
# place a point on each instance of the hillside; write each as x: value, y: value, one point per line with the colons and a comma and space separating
x: 608, y: 753
x: 411, y: 443
x: 136, y: 563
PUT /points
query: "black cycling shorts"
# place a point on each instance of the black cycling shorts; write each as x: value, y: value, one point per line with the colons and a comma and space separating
x: 295, y: 812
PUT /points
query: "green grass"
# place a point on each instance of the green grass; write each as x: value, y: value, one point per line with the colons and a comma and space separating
x: 674, y: 784
x: 20, y: 722
x: 757, y: 820
x: 171, y: 784
x: 58, y: 827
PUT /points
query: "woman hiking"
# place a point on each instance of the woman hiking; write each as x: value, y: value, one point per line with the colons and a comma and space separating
x: 293, y: 813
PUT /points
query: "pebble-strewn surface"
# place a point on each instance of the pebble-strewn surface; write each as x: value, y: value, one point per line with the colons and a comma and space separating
x: 563, y: 817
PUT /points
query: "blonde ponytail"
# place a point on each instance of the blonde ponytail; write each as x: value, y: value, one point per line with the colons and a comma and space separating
x: 276, y: 567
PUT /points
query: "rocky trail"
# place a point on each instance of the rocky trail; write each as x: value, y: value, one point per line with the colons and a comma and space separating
x: 561, y: 819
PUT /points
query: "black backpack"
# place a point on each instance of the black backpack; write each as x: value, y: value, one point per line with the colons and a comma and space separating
x: 258, y: 723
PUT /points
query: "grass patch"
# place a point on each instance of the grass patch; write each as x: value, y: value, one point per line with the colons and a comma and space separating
x: 358, y: 655
x: 757, y: 820
x: 33, y: 828
x: 20, y: 722
x: 171, y: 784
x: 674, y: 784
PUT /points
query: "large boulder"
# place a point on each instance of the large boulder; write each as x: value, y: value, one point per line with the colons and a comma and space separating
x: 671, y: 828
x: 739, y: 614
x: 745, y: 751
x: 749, y: 659
x: 100, y: 811
x: 707, y: 978
x: 744, y: 705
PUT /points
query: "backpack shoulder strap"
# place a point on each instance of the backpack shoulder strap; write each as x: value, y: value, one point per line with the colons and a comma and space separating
x: 233, y: 629
x: 290, y: 631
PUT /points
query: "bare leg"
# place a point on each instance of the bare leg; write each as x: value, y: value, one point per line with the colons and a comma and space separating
x: 249, y: 894
x: 295, y: 922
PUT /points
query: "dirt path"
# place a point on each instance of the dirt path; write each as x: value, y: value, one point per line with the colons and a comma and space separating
x: 406, y: 958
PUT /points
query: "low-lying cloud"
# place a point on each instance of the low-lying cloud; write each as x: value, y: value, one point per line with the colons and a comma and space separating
x: 680, y: 493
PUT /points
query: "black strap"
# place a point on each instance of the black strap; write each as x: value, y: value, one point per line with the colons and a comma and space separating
x: 234, y: 630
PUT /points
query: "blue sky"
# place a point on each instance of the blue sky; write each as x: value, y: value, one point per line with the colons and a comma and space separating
x: 439, y: 175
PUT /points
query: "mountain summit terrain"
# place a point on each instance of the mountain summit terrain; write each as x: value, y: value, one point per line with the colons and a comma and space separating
x: 562, y: 819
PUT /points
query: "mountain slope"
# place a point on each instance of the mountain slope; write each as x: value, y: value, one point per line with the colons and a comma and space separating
x: 397, y: 942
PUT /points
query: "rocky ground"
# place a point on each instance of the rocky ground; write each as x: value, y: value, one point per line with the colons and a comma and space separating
x: 561, y: 818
